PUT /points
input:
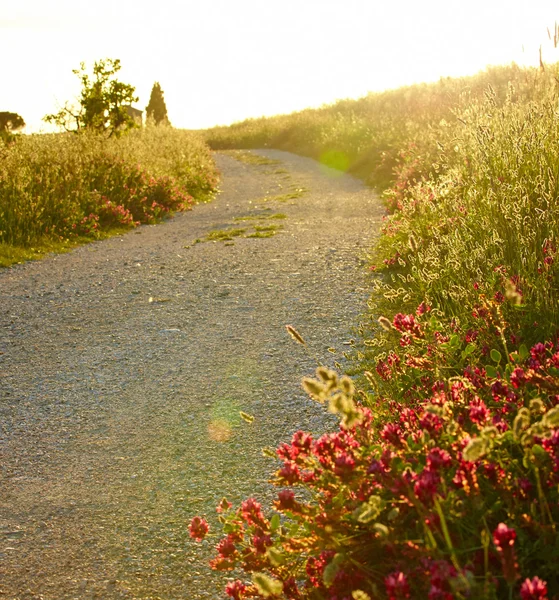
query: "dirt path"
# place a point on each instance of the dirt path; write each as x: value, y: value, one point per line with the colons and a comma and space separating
x: 124, y: 366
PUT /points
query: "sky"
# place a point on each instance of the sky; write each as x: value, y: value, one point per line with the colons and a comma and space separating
x: 221, y: 61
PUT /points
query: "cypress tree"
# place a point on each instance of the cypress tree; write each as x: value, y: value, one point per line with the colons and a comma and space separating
x: 156, y: 109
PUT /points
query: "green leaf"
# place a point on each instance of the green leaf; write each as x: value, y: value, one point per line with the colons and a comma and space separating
x: 524, y: 352
x: 332, y: 569
x: 539, y: 454
x: 491, y: 371
x: 454, y: 341
x: 275, y: 522
x: 495, y: 356
x: 277, y: 557
x: 468, y: 350
x: 267, y: 586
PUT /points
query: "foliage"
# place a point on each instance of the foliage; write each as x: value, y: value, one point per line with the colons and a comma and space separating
x: 10, y: 121
x: 156, y: 109
x: 366, y: 136
x: 102, y: 104
x: 413, y: 499
x: 442, y: 481
x: 55, y: 187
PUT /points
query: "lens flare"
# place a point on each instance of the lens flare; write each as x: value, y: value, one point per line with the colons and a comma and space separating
x: 334, y: 159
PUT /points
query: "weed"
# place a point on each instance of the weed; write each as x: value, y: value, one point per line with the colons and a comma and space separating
x: 260, y: 217
x: 59, y: 190
x: 221, y: 235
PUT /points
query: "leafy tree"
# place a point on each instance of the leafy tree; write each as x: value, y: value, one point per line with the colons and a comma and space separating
x: 102, y: 104
x: 10, y: 121
x: 156, y: 110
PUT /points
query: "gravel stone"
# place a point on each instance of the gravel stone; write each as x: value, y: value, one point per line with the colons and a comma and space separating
x: 124, y: 365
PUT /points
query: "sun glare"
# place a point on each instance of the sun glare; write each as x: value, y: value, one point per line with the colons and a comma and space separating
x: 222, y: 61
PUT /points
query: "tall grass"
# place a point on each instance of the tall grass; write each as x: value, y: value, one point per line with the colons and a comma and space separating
x: 366, y: 136
x: 55, y: 187
x: 442, y: 481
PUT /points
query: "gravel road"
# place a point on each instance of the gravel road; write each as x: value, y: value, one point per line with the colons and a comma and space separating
x: 124, y: 365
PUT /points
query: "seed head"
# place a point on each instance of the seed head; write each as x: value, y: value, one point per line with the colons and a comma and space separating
x: 385, y: 323
x: 295, y: 334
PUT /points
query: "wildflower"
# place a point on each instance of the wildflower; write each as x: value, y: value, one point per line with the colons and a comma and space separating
x: 407, y: 324
x: 504, y: 538
x: 431, y: 423
x: 426, y: 485
x: 518, y: 377
x: 261, y: 542
x: 235, y: 589
x: 344, y: 465
x: 525, y: 486
x: 438, y: 458
x: 533, y: 589
x: 301, y: 442
x: 226, y: 547
x: 289, y: 473
x: 251, y: 511
x: 392, y: 433
x: 198, y: 528
x: 479, y: 413
x: 286, y: 500
x: 471, y: 335
x: 405, y: 340
x: 223, y: 506
x: 397, y: 586
x: 538, y: 351
x: 422, y: 309
x: 315, y: 567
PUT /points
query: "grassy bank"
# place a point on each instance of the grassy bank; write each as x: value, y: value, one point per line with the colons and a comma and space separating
x: 367, y: 137
x: 442, y: 481
x: 62, y: 189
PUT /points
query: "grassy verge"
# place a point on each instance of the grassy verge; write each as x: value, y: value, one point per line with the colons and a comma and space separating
x: 57, y: 191
x: 442, y: 481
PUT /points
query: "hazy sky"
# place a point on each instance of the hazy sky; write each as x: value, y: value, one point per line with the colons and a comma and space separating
x: 220, y: 61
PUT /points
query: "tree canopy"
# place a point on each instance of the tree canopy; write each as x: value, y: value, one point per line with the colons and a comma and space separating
x: 156, y: 109
x: 10, y: 121
x: 102, y: 105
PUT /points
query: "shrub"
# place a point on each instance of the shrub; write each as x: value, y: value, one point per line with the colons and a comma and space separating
x: 63, y: 185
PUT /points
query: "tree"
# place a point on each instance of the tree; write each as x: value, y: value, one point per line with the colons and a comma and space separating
x: 156, y: 109
x: 102, y: 104
x: 10, y: 121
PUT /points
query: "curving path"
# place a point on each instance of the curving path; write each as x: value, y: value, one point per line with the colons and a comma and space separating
x: 124, y: 365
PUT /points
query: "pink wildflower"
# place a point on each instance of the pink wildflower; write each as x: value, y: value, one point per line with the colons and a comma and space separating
x: 533, y: 589
x: 235, y: 589
x: 198, y: 528
x: 397, y: 586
